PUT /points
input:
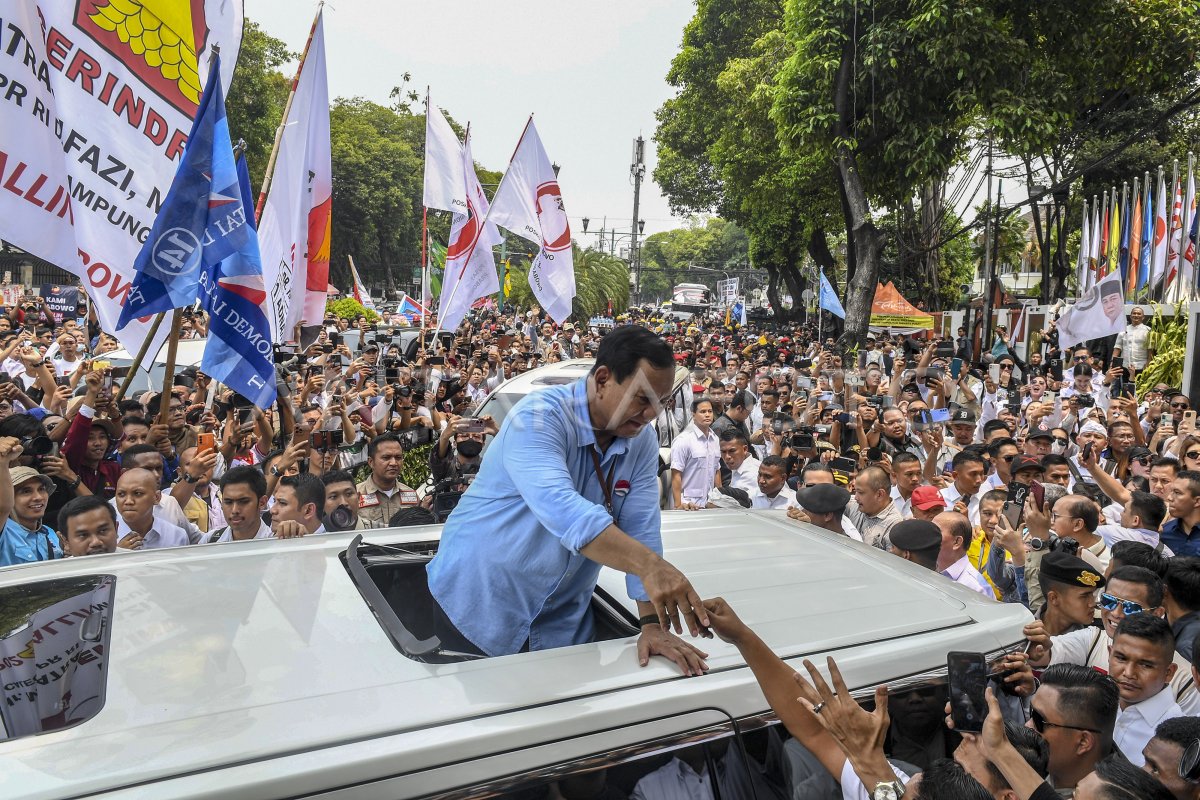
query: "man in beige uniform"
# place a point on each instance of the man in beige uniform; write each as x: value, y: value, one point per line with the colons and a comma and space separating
x: 381, y: 495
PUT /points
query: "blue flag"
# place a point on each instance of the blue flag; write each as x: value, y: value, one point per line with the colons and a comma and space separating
x: 1144, y: 255
x: 243, y: 172
x: 829, y: 300
x: 202, y: 246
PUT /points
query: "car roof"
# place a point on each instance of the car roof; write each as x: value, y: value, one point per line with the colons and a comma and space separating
x: 238, y: 653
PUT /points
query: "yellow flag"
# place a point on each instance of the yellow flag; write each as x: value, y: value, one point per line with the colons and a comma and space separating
x: 507, y: 279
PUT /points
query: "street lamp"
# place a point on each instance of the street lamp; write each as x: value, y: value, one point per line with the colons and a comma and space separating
x: 585, y: 224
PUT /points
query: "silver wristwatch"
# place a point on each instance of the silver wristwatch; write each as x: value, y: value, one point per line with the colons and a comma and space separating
x: 889, y: 790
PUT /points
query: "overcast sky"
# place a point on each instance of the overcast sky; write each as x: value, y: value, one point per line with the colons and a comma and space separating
x: 592, y: 74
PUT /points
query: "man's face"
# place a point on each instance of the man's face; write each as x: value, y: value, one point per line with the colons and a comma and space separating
x: 1057, y: 473
x: 175, y: 420
x: 1181, y: 501
x: 1098, y: 441
x: 927, y: 514
x: 287, y: 506
x: 624, y: 408
x: 908, y: 477
x: 342, y: 494
x: 1062, y: 521
x: 68, y: 347
x: 894, y: 423
x: 733, y: 454
x: 964, y: 433
x: 703, y: 416
x: 241, y: 507
x: 770, y: 480
x: 1112, y: 306
x: 1083, y: 356
x: 1122, y: 438
x: 137, y: 494
x: 1162, y: 761
x: 90, y: 533
x: 97, y: 443
x: 1003, y: 461
x: 1140, y: 667
x: 869, y: 500
x: 770, y: 404
x: 151, y: 462
x: 386, y: 463
x: 1137, y: 316
x: 1062, y: 739
x: 741, y: 380
x: 135, y: 433
x: 1038, y: 447
x: 1179, y: 405
x: 989, y: 515
x: 969, y: 477
x: 29, y: 499
x: 1125, y: 590
x: 1161, y: 479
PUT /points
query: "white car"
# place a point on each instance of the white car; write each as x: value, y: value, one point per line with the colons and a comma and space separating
x: 306, y: 667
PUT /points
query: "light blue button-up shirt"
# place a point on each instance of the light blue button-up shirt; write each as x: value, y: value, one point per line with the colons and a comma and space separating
x: 508, y: 569
x: 19, y: 545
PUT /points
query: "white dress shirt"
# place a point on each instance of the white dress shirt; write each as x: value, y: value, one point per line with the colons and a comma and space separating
x: 952, y: 495
x: 675, y: 780
x: 1136, y: 723
x: 745, y: 477
x: 964, y: 572
x: 264, y: 532
x: 697, y: 457
x: 161, y: 534
x: 781, y: 500
x: 902, y: 505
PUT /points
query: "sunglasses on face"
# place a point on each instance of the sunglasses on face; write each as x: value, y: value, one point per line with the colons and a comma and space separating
x: 1192, y: 454
x: 1109, y: 602
x: 1040, y: 723
x: 1007, y: 459
x: 1063, y: 442
x: 1179, y: 405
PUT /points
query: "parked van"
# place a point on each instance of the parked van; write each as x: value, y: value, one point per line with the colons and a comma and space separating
x: 307, y: 668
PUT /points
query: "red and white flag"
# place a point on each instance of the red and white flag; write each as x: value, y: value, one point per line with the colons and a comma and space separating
x: 529, y: 203
x: 1159, y: 262
x: 360, y: 290
x: 1173, y: 243
x: 470, y: 266
x: 1187, y: 253
x: 294, y: 227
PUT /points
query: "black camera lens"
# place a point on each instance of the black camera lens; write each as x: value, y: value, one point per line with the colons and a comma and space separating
x: 1189, y: 762
x: 340, y: 519
x: 37, y: 445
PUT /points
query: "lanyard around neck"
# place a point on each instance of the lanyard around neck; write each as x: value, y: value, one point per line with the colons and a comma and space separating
x: 605, y: 485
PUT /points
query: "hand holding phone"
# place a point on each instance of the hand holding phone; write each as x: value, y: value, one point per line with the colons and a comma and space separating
x: 968, y: 677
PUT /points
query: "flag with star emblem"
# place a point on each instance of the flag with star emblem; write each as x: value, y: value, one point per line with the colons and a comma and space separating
x: 203, y: 245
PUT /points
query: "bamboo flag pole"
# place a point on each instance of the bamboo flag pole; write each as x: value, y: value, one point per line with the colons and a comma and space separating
x: 287, y: 108
x: 140, y: 357
x: 164, y: 403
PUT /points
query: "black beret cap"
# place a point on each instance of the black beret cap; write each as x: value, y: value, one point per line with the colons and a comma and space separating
x: 915, y: 534
x: 1071, y: 570
x: 823, y: 498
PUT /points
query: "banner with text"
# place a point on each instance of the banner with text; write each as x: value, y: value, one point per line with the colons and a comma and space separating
x: 96, y: 99
x: 62, y: 300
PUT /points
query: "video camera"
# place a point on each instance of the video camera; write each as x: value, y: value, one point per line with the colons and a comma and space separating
x: 1054, y: 542
x: 447, y: 492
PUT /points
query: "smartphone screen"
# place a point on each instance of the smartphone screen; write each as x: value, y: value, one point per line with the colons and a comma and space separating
x: 1013, y: 512
x: 1117, y: 361
x: 939, y: 414
x: 994, y: 373
x: 968, y: 676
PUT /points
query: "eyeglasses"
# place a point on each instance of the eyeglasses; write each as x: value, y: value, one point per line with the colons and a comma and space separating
x: 1109, y: 602
x: 1040, y: 723
x: 1082, y: 358
x: 1055, y: 515
x: 1192, y: 454
x: 1061, y: 441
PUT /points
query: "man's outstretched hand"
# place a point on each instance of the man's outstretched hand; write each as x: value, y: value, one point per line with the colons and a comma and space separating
x: 674, y: 599
x: 655, y: 641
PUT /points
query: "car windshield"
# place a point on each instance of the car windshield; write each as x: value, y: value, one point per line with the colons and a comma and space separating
x: 53, y: 640
x: 498, y: 405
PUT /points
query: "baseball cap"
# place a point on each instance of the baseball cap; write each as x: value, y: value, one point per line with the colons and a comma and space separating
x: 927, y: 497
x: 1026, y: 462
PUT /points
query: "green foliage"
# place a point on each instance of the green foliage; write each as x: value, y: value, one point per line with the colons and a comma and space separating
x: 1168, y: 340
x: 600, y: 278
x: 712, y: 244
x: 349, y: 308
x: 414, y: 470
x: 257, y: 95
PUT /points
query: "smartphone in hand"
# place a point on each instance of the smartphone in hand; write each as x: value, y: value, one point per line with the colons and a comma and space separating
x: 968, y: 677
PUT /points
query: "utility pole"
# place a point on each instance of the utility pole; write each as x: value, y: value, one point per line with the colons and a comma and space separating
x: 985, y: 344
x: 637, y: 169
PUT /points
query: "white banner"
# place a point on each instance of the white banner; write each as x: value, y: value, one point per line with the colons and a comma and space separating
x: 470, y: 266
x: 1099, y: 312
x: 727, y: 291
x: 445, y: 178
x: 96, y: 101
x: 293, y: 233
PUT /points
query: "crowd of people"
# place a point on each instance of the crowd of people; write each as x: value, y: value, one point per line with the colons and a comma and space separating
x: 1029, y: 475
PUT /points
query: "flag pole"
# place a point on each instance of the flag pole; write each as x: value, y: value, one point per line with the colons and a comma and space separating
x: 164, y: 403
x: 140, y: 357
x: 483, y: 225
x: 1083, y: 249
x: 287, y: 108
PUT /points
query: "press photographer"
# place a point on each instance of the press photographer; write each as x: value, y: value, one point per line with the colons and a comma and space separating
x: 467, y: 435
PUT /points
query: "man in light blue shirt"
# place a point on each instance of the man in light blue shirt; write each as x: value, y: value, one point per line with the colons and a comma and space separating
x: 569, y: 484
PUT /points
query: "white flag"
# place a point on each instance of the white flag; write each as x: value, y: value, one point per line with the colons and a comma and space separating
x: 360, y: 290
x: 529, y: 203
x: 470, y: 266
x: 1173, y: 237
x: 445, y: 179
x: 1099, y: 312
x: 293, y: 233
x: 92, y: 127
x: 1186, y: 254
x: 1094, y: 248
x: 1159, y: 262
x: 1085, y: 256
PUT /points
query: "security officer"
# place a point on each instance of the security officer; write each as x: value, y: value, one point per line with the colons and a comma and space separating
x: 1069, y: 585
x: 918, y: 541
x: 823, y: 505
x: 382, y: 494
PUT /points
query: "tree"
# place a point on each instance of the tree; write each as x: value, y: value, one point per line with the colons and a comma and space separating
x: 257, y: 95
x: 601, y: 280
x: 695, y: 253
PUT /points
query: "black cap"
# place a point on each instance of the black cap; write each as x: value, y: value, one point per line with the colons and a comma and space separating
x: 823, y: 498
x: 1139, y: 452
x: 740, y: 495
x: 915, y: 534
x: 370, y: 346
x: 962, y: 415
x: 1071, y: 570
x: 1039, y: 433
x: 1110, y: 287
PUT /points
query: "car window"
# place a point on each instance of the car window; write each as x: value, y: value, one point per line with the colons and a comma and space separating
x: 53, y: 637
x: 497, y: 406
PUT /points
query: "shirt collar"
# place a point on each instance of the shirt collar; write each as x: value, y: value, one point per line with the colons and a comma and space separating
x: 956, y: 569
x: 583, y: 424
x: 1153, y: 708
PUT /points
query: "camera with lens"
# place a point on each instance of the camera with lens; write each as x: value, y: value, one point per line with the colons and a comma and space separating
x: 340, y: 519
x: 1085, y: 400
x: 448, y: 491
x: 1055, y: 543
x: 802, y: 438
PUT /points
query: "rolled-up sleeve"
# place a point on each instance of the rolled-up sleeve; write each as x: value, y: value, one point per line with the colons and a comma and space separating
x: 640, y: 516
x: 539, y: 466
